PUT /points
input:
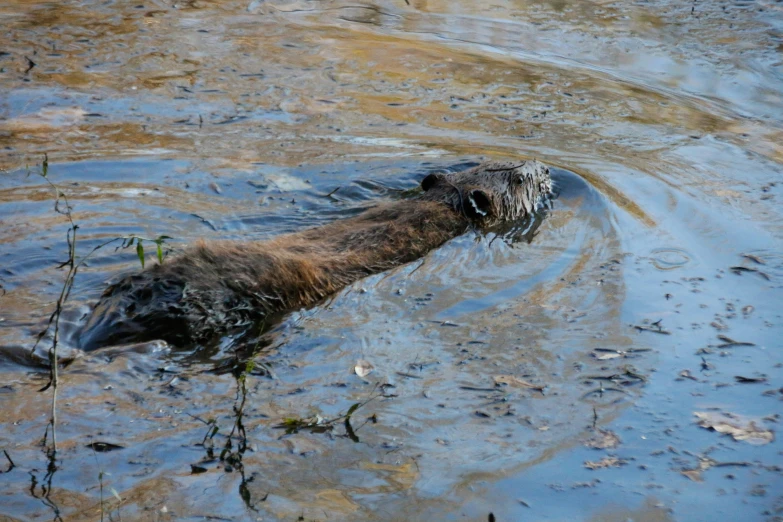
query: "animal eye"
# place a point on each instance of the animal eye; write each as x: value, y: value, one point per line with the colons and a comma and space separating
x: 520, y: 181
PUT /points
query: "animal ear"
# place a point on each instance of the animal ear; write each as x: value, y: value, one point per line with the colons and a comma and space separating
x: 430, y: 181
x: 478, y: 204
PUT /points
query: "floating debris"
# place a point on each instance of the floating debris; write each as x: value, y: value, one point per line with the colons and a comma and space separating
x: 686, y: 374
x: 445, y: 323
x: 510, y: 380
x: 421, y: 365
x: 606, y: 462
x: 739, y: 269
x: 591, y: 484
x: 693, y: 474
x: 719, y: 325
x: 749, y: 380
x: 627, y: 377
x: 603, y: 439
x: 705, y: 463
x: 319, y: 424
x: 331, y: 194
x: 103, y: 447
x: 739, y: 429
x: 654, y: 329
x: 601, y: 390
x: 728, y: 342
x: 756, y: 259
x: 258, y: 184
x: 477, y: 388
x: 363, y: 368
x: 612, y: 353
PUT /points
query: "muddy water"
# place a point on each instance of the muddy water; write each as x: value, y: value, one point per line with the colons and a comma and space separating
x: 206, y: 119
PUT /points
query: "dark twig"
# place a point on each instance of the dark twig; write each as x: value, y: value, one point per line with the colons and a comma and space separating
x: 658, y: 330
x: 11, y: 464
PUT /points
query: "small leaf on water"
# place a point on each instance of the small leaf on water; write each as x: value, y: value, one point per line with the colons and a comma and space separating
x: 140, y: 252
x: 116, y: 495
x: 363, y: 368
x: 754, y: 258
x: 510, y: 380
x: 103, y: 447
x: 693, y: 474
x: 686, y: 374
x: 352, y: 409
x: 743, y: 379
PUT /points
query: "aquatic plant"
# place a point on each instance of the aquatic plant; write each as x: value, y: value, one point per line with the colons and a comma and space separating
x: 74, y: 262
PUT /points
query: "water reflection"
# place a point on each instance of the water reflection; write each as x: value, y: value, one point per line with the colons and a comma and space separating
x: 240, y: 119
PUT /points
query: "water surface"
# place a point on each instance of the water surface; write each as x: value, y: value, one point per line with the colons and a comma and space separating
x: 206, y: 119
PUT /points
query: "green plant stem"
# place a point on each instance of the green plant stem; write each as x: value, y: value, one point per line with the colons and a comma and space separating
x: 73, y: 268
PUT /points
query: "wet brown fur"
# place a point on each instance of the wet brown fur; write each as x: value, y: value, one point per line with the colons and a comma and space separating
x: 218, y: 285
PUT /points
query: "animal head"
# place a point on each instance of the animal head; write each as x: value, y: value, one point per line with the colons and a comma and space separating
x: 493, y: 191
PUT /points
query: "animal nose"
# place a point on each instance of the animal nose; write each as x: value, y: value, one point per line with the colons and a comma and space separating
x: 430, y: 181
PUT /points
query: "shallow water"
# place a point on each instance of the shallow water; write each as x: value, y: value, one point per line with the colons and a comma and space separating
x: 206, y: 119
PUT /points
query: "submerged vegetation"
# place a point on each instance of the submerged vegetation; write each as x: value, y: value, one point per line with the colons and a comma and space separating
x: 74, y: 262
